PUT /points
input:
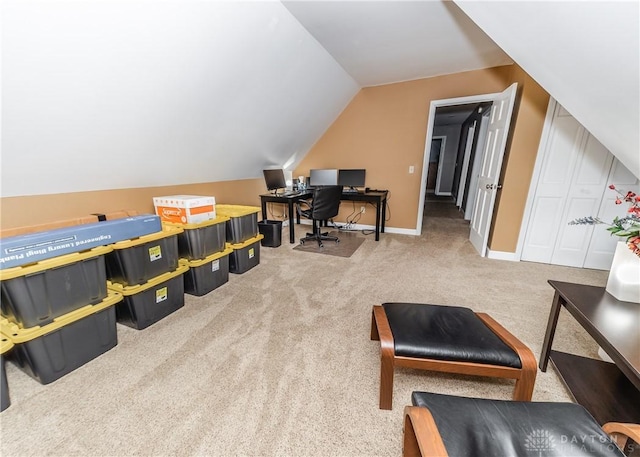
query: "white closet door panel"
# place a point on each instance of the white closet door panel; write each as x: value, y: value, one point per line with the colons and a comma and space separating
x: 585, y: 195
x: 602, y: 247
x: 563, y: 151
x: 573, y: 240
x: 540, y: 240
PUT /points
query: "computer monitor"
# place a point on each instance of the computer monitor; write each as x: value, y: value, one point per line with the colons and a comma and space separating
x: 351, y: 179
x: 274, y: 179
x: 323, y: 177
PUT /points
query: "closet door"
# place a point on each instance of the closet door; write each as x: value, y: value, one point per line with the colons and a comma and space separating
x: 586, y: 188
x: 561, y: 154
x: 574, y: 181
x: 602, y: 245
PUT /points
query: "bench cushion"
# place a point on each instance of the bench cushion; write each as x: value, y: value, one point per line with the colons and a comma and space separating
x: 481, y: 427
x: 450, y: 333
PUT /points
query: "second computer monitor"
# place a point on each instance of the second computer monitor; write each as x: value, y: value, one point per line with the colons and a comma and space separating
x: 351, y: 178
x: 323, y: 177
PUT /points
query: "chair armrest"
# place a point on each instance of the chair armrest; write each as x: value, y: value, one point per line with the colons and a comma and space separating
x: 619, y: 432
x: 421, y: 435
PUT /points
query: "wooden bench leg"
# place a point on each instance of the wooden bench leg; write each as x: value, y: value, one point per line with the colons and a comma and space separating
x: 386, y: 381
x: 374, y: 327
x: 523, y: 390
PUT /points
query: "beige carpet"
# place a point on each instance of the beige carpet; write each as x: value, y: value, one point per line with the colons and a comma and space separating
x: 278, y: 361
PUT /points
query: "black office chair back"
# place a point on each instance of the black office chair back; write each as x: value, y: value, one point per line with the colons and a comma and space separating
x: 326, y: 202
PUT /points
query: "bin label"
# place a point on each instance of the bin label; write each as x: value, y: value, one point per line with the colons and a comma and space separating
x: 162, y: 294
x: 252, y: 252
x: 215, y: 265
x: 155, y: 253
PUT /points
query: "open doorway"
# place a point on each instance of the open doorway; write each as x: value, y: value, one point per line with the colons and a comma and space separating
x: 454, y: 145
x: 463, y: 159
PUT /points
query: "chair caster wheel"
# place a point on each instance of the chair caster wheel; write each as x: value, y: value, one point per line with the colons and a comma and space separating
x: 321, y: 245
x: 337, y: 241
x: 301, y: 241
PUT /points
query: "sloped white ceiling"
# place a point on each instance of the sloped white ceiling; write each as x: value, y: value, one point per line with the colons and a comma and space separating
x: 116, y: 94
x: 381, y: 42
x: 585, y: 54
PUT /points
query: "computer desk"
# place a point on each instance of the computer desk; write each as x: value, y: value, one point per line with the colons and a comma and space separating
x: 379, y: 199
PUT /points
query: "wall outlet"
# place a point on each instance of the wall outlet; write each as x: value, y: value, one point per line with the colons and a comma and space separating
x: 362, y: 209
x: 411, y: 169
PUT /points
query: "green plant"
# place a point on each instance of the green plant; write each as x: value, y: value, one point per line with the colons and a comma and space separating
x: 627, y: 227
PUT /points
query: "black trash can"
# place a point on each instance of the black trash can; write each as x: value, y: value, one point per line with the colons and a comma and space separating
x: 272, y: 231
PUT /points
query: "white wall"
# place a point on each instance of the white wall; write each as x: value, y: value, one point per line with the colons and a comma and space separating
x: 452, y: 132
x: 116, y: 94
x: 586, y: 54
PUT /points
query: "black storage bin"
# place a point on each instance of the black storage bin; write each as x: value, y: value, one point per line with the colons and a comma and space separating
x: 36, y: 294
x: 272, y: 231
x: 242, y: 224
x: 207, y: 274
x: 47, y: 353
x: 5, y: 347
x: 148, y: 303
x: 136, y: 261
x: 245, y: 255
x: 200, y: 240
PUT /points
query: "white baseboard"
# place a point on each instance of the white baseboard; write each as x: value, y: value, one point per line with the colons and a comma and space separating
x: 501, y: 255
x: 357, y: 227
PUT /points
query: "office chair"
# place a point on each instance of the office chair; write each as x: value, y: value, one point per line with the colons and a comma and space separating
x: 324, y: 206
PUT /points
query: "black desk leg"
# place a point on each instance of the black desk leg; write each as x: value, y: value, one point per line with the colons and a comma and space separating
x: 264, y: 210
x: 292, y: 233
x: 378, y: 220
x: 383, y: 202
x: 551, y: 331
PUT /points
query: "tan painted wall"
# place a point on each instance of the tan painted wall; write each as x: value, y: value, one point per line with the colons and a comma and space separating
x: 22, y: 211
x: 384, y: 130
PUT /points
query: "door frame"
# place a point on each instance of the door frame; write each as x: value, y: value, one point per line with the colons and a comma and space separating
x: 427, y: 148
x: 545, y: 137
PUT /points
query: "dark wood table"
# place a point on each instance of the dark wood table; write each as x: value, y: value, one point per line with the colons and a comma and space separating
x: 610, y: 392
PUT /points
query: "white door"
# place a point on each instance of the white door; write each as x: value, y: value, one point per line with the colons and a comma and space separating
x: 575, y: 173
x: 465, y: 163
x: 492, y: 156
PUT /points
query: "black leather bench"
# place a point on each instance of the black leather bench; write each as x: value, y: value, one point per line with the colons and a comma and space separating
x: 449, y: 339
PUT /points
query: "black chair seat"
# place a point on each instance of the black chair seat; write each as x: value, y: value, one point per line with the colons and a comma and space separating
x: 446, y: 333
x: 480, y: 427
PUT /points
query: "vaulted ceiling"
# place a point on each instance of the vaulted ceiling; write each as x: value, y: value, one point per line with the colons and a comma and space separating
x: 114, y: 94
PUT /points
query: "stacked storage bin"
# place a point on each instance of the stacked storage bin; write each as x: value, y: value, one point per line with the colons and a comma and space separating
x: 146, y: 272
x: 202, y: 248
x: 242, y: 236
x: 58, y: 313
x: 5, y: 346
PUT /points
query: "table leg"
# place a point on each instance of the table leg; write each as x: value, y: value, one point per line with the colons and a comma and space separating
x: 378, y: 220
x: 292, y: 234
x: 264, y: 210
x: 383, y: 202
x: 551, y: 331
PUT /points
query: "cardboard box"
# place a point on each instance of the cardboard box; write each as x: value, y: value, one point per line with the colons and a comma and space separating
x: 185, y: 209
x: 33, y: 247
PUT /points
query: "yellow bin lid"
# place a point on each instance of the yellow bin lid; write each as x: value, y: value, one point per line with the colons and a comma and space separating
x: 5, y: 344
x: 236, y: 210
x: 249, y: 242
x: 21, y: 335
x: 217, y: 220
x: 137, y: 288
x: 166, y: 232
x: 215, y: 256
x: 54, y: 262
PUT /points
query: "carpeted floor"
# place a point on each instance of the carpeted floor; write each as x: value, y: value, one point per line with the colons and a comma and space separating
x: 348, y: 244
x: 278, y: 361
